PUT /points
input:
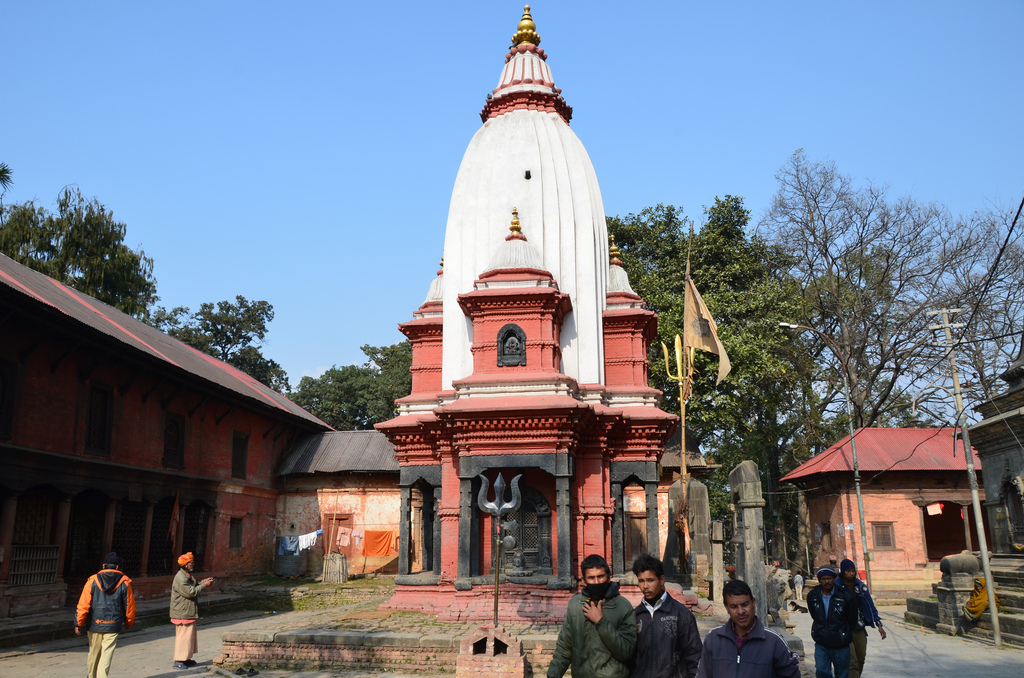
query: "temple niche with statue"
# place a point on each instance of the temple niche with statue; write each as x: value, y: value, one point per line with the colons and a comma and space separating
x: 529, y: 357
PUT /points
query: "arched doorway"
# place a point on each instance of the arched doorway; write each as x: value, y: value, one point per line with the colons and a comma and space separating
x: 162, y: 559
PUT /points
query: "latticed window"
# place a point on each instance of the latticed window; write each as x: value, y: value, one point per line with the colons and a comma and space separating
x: 884, y: 535
x: 129, y: 531
x: 235, y: 534
x: 98, y: 434
x: 174, y: 440
x: 239, y: 455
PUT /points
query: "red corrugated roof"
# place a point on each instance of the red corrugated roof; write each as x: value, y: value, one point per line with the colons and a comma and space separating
x: 83, y: 310
x: 890, y: 449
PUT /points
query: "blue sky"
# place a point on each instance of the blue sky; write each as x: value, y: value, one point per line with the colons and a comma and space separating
x: 305, y: 153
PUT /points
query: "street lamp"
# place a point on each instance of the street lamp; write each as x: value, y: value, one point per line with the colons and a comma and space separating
x: 853, y: 439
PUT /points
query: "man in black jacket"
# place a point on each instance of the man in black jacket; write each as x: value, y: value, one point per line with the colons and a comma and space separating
x: 834, y: 614
x: 667, y: 644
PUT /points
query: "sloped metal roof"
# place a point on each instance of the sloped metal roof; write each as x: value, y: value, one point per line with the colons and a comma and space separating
x: 890, y: 449
x: 19, y: 282
x: 340, y: 451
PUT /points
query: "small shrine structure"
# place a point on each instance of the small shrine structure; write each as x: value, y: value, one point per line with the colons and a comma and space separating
x: 529, y: 357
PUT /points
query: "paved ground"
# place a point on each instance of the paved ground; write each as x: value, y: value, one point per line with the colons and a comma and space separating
x: 907, y: 652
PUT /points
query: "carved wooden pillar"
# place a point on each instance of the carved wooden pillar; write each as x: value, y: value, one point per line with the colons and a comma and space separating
x: 404, y: 531
x: 653, y: 540
x: 435, y: 556
x: 179, y: 532
x: 147, y: 534
x: 10, y: 510
x: 465, y: 526
x: 63, y: 521
x: 618, y: 531
x: 564, y: 529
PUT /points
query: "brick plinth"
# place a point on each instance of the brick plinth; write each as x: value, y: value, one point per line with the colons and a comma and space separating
x: 407, y: 652
x: 518, y: 603
x: 491, y: 652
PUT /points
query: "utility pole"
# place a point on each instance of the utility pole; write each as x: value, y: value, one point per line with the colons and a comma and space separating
x: 961, y: 422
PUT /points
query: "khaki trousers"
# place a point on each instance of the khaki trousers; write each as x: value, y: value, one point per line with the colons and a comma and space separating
x: 186, y: 642
x: 101, y: 652
x: 858, y: 651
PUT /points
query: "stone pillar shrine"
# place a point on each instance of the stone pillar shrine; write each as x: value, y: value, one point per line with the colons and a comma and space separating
x: 529, y: 357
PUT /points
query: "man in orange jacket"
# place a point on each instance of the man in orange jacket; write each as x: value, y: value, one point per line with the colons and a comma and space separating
x: 107, y: 606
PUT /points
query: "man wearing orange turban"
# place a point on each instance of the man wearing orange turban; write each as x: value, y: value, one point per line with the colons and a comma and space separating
x: 185, y: 611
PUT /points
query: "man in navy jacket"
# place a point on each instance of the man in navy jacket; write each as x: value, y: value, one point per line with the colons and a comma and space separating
x: 743, y: 647
x: 667, y: 644
x: 867, y: 616
x: 834, y: 614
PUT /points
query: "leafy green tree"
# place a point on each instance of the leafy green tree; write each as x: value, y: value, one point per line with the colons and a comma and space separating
x: 760, y: 410
x: 231, y: 331
x: 355, y: 397
x: 6, y: 181
x: 82, y: 246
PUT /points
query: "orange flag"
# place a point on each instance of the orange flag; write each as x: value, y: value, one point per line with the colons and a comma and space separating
x: 699, y: 329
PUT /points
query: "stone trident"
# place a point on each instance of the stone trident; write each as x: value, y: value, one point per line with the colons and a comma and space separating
x: 498, y: 509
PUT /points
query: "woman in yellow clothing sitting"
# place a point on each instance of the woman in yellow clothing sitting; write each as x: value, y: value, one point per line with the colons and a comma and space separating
x: 978, y: 602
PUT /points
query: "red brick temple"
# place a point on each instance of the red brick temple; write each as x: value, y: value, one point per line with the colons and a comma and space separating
x: 529, y: 357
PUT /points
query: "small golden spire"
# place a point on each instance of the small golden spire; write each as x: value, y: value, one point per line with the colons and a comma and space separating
x: 515, y: 228
x: 442, y: 263
x: 613, y: 251
x: 527, y: 30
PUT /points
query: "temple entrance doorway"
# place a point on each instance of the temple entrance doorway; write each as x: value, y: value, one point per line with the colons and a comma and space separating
x: 532, y: 553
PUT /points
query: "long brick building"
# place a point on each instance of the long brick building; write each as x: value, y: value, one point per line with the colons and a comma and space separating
x: 115, y: 436
x: 917, y: 503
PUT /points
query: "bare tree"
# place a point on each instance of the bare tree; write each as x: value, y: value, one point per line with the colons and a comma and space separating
x: 870, y: 267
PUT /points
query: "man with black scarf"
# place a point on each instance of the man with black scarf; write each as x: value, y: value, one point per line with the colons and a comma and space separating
x: 598, y: 636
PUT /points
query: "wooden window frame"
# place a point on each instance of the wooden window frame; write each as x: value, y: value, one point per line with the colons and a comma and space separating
x: 235, y: 534
x: 175, y: 460
x: 94, y: 389
x: 239, y: 455
x: 7, y: 375
x: 891, y: 527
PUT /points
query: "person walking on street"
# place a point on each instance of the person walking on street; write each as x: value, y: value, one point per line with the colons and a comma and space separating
x: 743, y: 647
x: 185, y: 611
x: 668, y: 644
x: 798, y: 585
x: 834, y: 614
x: 867, y: 615
x: 598, y: 636
x: 105, y: 608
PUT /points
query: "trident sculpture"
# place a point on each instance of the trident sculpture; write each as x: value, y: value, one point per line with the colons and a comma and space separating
x: 498, y: 509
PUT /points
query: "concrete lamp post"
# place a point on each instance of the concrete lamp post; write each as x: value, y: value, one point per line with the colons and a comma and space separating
x: 853, y: 440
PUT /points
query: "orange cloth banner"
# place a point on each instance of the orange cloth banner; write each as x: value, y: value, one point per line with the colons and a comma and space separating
x: 378, y: 543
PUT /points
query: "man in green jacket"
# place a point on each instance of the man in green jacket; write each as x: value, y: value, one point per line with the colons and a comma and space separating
x: 598, y: 636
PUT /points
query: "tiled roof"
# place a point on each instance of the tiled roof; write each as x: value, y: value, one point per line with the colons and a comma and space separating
x: 890, y: 449
x: 337, y: 451
x: 82, y: 314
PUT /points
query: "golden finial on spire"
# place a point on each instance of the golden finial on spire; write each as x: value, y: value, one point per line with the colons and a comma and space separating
x: 442, y: 263
x: 515, y: 227
x: 526, y: 33
x: 613, y: 251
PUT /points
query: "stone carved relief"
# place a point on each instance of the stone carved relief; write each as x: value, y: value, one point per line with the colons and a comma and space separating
x: 511, y: 346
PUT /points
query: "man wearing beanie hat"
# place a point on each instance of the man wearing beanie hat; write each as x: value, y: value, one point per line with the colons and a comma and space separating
x: 185, y: 592
x: 867, y: 615
x: 834, y: 614
x: 106, y: 606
